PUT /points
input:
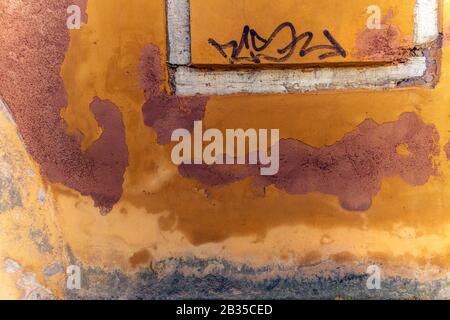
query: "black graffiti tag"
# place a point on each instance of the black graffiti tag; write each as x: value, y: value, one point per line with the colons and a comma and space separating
x: 256, y: 44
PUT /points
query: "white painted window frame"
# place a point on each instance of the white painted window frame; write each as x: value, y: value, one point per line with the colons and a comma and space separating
x: 189, y: 81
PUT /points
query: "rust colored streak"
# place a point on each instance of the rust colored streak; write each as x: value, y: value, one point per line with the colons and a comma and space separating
x: 162, y: 112
x: 217, y: 175
x: 140, y: 258
x: 33, y: 42
x: 352, y: 169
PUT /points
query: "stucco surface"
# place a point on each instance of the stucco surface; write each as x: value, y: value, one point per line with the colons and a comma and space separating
x: 87, y: 178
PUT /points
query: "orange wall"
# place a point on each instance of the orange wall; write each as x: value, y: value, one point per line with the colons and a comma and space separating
x: 161, y: 214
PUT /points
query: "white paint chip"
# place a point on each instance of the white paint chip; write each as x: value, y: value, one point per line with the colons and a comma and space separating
x: 12, y: 266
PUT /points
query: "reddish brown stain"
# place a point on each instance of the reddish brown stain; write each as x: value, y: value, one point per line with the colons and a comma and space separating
x: 352, y: 169
x: 447, y: 150
x: 343, y: 257
x: 162, y: 112
x: 386, y: 43
x: 34, y: 40
x: 139, y: 258
x: 151, y: 72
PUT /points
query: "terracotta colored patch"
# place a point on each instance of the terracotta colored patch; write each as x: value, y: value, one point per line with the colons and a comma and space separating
x: 379, y: 44
x: 162, y: 112
x: 34, y: 40
x: 352, y: 169
x: 139, y: 258
x: 151, y: 73
x: 447, y: 150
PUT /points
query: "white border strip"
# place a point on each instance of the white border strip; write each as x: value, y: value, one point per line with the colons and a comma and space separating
x: 178, y: 32
x: 426, y: 27
x: 191, y: 81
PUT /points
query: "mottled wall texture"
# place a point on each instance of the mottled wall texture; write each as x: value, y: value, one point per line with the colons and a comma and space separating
x: 87, y: 179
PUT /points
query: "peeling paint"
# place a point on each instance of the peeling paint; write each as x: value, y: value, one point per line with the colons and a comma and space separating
x: 53, y: 269
x: 41, y: 240
x: 38, y: 119
x: 352, y: 169
x: 32, y: 289
x: 94, y: 110
x: 12, y: 266
x: 384, y: 43
x: 162, y: 112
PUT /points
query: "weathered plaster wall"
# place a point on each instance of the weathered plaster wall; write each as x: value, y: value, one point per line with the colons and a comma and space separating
x: 226, y: 20
x: 96, y: 186
x: 31, y: 250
